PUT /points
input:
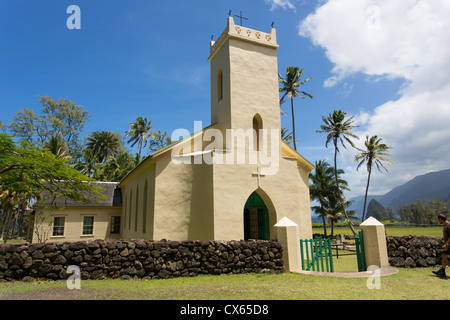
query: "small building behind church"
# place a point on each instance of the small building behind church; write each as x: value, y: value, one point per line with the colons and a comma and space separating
x: 231, y: 180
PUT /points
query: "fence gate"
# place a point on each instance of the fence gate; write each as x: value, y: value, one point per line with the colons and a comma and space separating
x: 316, y: 255
x: 360, y: 254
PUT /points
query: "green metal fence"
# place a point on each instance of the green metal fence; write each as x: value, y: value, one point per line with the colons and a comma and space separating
x: 360, y: 254
x: 316, y: 255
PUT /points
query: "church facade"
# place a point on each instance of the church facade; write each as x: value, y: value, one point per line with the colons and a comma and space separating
x: 231, y: 180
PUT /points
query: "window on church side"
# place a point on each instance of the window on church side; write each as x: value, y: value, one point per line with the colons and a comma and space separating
x: 136, y: 210
x: 220, y: 85
x: 125, y: 211
x: 144, y: 210
x: 129, y: 216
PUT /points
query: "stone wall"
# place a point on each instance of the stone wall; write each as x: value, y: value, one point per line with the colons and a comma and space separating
x: 414, y: 251
x: 137, y: 258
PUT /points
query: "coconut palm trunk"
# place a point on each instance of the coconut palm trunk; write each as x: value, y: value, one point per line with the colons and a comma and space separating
x: 375, y: 153
x: 337, y: 187
x: 289, y: 86
x: 365, y: 195
x: 293, y: 125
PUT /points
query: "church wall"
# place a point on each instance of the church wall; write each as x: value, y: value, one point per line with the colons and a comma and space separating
x: 286, y: 194
x: 289, y: 192
x: 134, y: 202
x: 221, y: 109
x: 183, y: 201
x: 305, y: 206
x: 202, y: 209
x: 233, y: 184
x: 254, y: 85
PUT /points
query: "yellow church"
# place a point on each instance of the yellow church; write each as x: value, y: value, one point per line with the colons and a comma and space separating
x: 234, y: 179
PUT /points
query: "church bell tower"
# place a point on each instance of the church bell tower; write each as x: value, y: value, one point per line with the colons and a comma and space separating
x: 244, y: 79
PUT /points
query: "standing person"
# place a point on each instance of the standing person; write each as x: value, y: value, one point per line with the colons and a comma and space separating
x: 446, y: 232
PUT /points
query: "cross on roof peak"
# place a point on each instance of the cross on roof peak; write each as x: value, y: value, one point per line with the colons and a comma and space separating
x: 240, y: 16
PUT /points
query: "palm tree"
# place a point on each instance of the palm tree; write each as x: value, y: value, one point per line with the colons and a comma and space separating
x: 58, y: 147
x: 115, y: 168
x: 338, y: 129
x: 138, y: 132
x: 85, y: 164
x: 375, y: 153
x: 335, y: 212
x: 286, y: 136
x: 290, y: 86
x: 323, y: 189
x: 103, y: 144
x: 159, y: 141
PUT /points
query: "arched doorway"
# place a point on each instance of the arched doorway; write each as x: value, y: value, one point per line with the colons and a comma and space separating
x: 256, y: 218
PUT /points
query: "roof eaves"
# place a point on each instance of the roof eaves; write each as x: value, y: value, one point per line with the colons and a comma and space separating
x: 298, y: 155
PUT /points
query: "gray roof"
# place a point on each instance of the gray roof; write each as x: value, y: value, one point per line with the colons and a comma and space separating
x: 111, y: 191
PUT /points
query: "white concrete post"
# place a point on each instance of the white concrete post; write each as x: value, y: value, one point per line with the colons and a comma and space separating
x: 288, y: 236
x: 374, y: 243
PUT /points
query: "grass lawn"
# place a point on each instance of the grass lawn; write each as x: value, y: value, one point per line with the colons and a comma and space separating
x: 435, y: 231
x: 408, y: 284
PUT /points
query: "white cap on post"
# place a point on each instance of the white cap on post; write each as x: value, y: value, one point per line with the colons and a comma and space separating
x: 375, y: 246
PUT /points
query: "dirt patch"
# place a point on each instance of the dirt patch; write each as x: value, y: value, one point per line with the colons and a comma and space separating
x: 55, y: 294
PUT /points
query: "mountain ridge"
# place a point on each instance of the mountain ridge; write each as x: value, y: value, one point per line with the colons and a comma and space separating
x: 428, y: 186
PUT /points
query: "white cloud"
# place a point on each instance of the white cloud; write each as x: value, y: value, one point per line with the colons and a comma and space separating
x: 285, y: 4
x: 385, y: 39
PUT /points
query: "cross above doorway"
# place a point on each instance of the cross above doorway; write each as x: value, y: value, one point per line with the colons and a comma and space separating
x: 258, y: 174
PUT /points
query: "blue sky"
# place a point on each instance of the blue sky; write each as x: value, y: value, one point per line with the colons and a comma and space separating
x: 149, y: 58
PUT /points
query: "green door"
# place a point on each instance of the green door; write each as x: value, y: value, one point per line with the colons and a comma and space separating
x: 256, y: 219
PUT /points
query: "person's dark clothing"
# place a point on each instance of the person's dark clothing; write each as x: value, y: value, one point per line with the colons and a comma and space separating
x: 446, y: 235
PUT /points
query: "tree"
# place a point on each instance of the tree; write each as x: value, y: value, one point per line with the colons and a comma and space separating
x: 61, y: 118
x: 11, y: 206
x: 27, y: 172
x: 116, y: 168
x: 416, y: 213
x: 286, y: 136
x: 159, y: 141
x: 391, y: 215
x: 103, y: 144
x: 423, y: 212
x: 335, y: 211
x: 57, y: 146
x: 339, y: 130
x: 3, y: 128
x: 323, y: 189
x: 138, y: 132
x: 289, y: 86
x: 86, y: 162
x: 375, y: 153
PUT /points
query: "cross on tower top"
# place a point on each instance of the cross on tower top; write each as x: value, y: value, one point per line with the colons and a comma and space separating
x: 240, y: 16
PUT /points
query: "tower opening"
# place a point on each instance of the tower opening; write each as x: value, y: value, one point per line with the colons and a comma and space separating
x: 220, y: 85
x: 257, y: 126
